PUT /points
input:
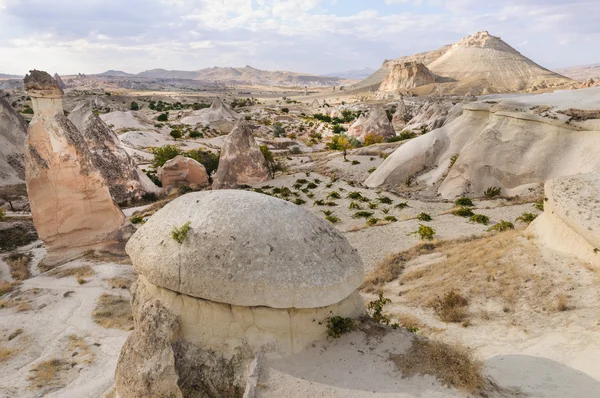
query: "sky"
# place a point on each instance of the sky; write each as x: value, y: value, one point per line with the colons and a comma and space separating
x: 310, y: 36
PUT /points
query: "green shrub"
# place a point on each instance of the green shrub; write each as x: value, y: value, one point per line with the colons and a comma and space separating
x: 196, y: 134
x: 492, y: 192
x: 137, y: 219
x: 311, y: 185
x: 176, y: 134
x: 338, y: 326
x: 164, y: 154
x: 465, y: 202
x: 402, y: 205
x: 209, y: 160
x: 333, y: 195
x: 330, y: 204
x: 163, y: 117
x: 526, y: 218
x: 372, y: 169
x: 453, y: 160
x: 390, y: 218
x: 373, y: 205
x: 332, y: 219
x: 2, y: 214
x: 362, y: 214
x: 502, y: 226
x: 424, y: 232
x: 385, y: 210
x: 299, y: 201
x: 337, y: 129
x: 385, y: 200
x: 278, y: 130
x: 355, y: 162
x: 479, y: 219
x: 354, y: 196
x: 463, y: 212
x: 134, y: 106
x: 354, y: 206
x: 372, y: 221
x: 179, y: 234
x: 539, y: 204
x: 319, y: 202
x: 424, y: 217
x: 375, y: 309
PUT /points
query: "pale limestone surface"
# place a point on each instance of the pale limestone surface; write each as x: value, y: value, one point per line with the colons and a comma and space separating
x: 224, y: 327
x: 246, y: 249
x: 13, y: 131
x: 182, y: 170
x: 377, y: 123
x: 405, y: 76
x: 71, y: 205
x: 241, y: 162
x: 571, y: 219
x: 217, y: 112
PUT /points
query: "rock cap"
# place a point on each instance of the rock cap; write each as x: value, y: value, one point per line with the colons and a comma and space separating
x: 40, y: 84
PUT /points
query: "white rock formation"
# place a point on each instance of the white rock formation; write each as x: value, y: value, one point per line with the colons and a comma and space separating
x: 125, y: 181
x: 571, y: 219
x: 404, y: 76
x: 182, y: 170
x: 514, y: 143
x: 232, y: 288
x: 217, y: 112
x: 13, y: 131
x: 241, y: 161
x: 71, y: 205
x: 377, y: 123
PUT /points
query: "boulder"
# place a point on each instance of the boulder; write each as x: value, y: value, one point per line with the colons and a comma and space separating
x: 71, y: 204
x: 182, y: 171
x: 377, y: 123
x: 125, y: 181
x: 241, y: 161
x: 13, y: 132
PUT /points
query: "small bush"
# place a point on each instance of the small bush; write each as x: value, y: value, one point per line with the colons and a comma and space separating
x: 372, y: 169
x: 402, y: 205
x: 134, y: 106
x: 539, y: 204
x: 492, y: 192
x: 164, y: 154
x: 453, y: 160
x: 464, y: 202
x: 137, y: 219
x: 299, y: 201
x: 362, y: 214
x: 463, y: 212
x: 311, y: 185
x: 179, y: 234
x: 479, y: 219
x: 332, y: 219
x: 2, y: 214
x: 319, y: 202
x: 452, y: 307
x: 424, y: 232
x: 196, y: 134
x: 372, y: 221
x: 354, y: 196
x: 502, y: 226
x: 527, y: 218
x: 163, y: 117
x: 354, y: 206
x: 334, y: 195
x: 424, y: 217
x: 385, y: 200
x: 338, y: 326
x: 371, y: 139
x: 355, y: 162
x: 375, y: 309
x: 390, y: 219
x: 373, y: 205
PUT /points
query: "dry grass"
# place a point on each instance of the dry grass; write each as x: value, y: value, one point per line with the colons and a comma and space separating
x: 453, y: 365
x: 562, y: 303
x: 80, y: 273
x: 410, y: 322
x: 46, y: 373
x: 451, y: 307
x: 6, y: 353
x: 7, y: 287
x: 113, y: 312
x: 15, y: 334
x: 581, y: 115
x: 19, y: 266
x: 106, y: 257
x: 80, y: 351
x: 119, y: 283
x: 24, y: 306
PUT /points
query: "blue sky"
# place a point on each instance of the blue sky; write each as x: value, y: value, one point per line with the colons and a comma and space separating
x: 314, y: 36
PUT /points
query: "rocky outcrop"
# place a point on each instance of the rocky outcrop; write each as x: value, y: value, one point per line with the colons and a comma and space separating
x: 14, y: 234
x: 71, y: 204
x: 241, y: 161
x: 218, y: 112
x: 570, y: 222
x: 401, y: 115
x: 377, y: 124
x: 405, y: 76
x: 13, y: 131
x: 182, y: 171
x: 433, y: 114
x: 125, y: 181
x: 513, y: 143
x: 60, y: 82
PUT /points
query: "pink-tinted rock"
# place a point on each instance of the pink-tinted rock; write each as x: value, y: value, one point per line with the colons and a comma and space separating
x: 182, y: 171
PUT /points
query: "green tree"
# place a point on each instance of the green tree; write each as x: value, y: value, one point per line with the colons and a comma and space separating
x: 163, y: 117
x: 164, y: 154
x: 134, y: 106
x: 209, y: 160
x: 176, y: 134
x: 340, y: 143
x: 274, y: 166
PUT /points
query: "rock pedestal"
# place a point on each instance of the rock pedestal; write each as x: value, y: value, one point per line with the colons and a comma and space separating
x: 71, y: 205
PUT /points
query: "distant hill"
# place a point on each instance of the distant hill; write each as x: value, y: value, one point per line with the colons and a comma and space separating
x: 477, y: 64
x: 5, y: 76
x: 582, y: 72
x: 114, y: 73
x: 359, y: 74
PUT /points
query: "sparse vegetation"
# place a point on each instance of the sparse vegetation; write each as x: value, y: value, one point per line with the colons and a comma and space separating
x: 19, y: 266
x: 372, y: 221
x: 539, y: 204
x: 362, y: 214
x: 424, y: 217
x: 390, y: 219
x: 454, y: 365
x: 502, y: 226
x: 84, y: 271
x: 332, y: 219
x: 179, y: 234
x: 562, y: 303
x: 451, y: 307
x: 2, y: 214
x: 338, y: 326
x: 453, y: 160
x: 46, y: 373
x: 113, y: 312
x: 402, y: 205
x: 492, y: 192
x: 375, y: 309
x: 526, y: 218
x: 463, y: 212
x: 385, y: 200
x: 479, y: 219
x: 464, y: 202
x: 424, y: 232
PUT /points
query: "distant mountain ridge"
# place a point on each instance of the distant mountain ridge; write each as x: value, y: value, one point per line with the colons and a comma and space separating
x: 229, y: 75
x: 5, y: 76
x: 581, y: 72
x: 358, y: 74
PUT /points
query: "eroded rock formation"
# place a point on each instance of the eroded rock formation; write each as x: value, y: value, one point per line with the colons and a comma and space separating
x: 241, y: 161
x: 71, y: 205
x: 405, y: 76
x: 125, y: 181
x: 13, y: 131
x: 182, y: 170
x: 377, y: 124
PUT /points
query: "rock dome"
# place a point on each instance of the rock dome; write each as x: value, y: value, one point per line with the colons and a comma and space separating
x: 246, y: 249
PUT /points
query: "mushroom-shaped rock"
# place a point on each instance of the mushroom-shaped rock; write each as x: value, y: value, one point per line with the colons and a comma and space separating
x: 182, y: 170
x: 241, y: 161
x: 246, y: 249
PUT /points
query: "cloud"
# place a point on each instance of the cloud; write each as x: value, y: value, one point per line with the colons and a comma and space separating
x: 315, y: 36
